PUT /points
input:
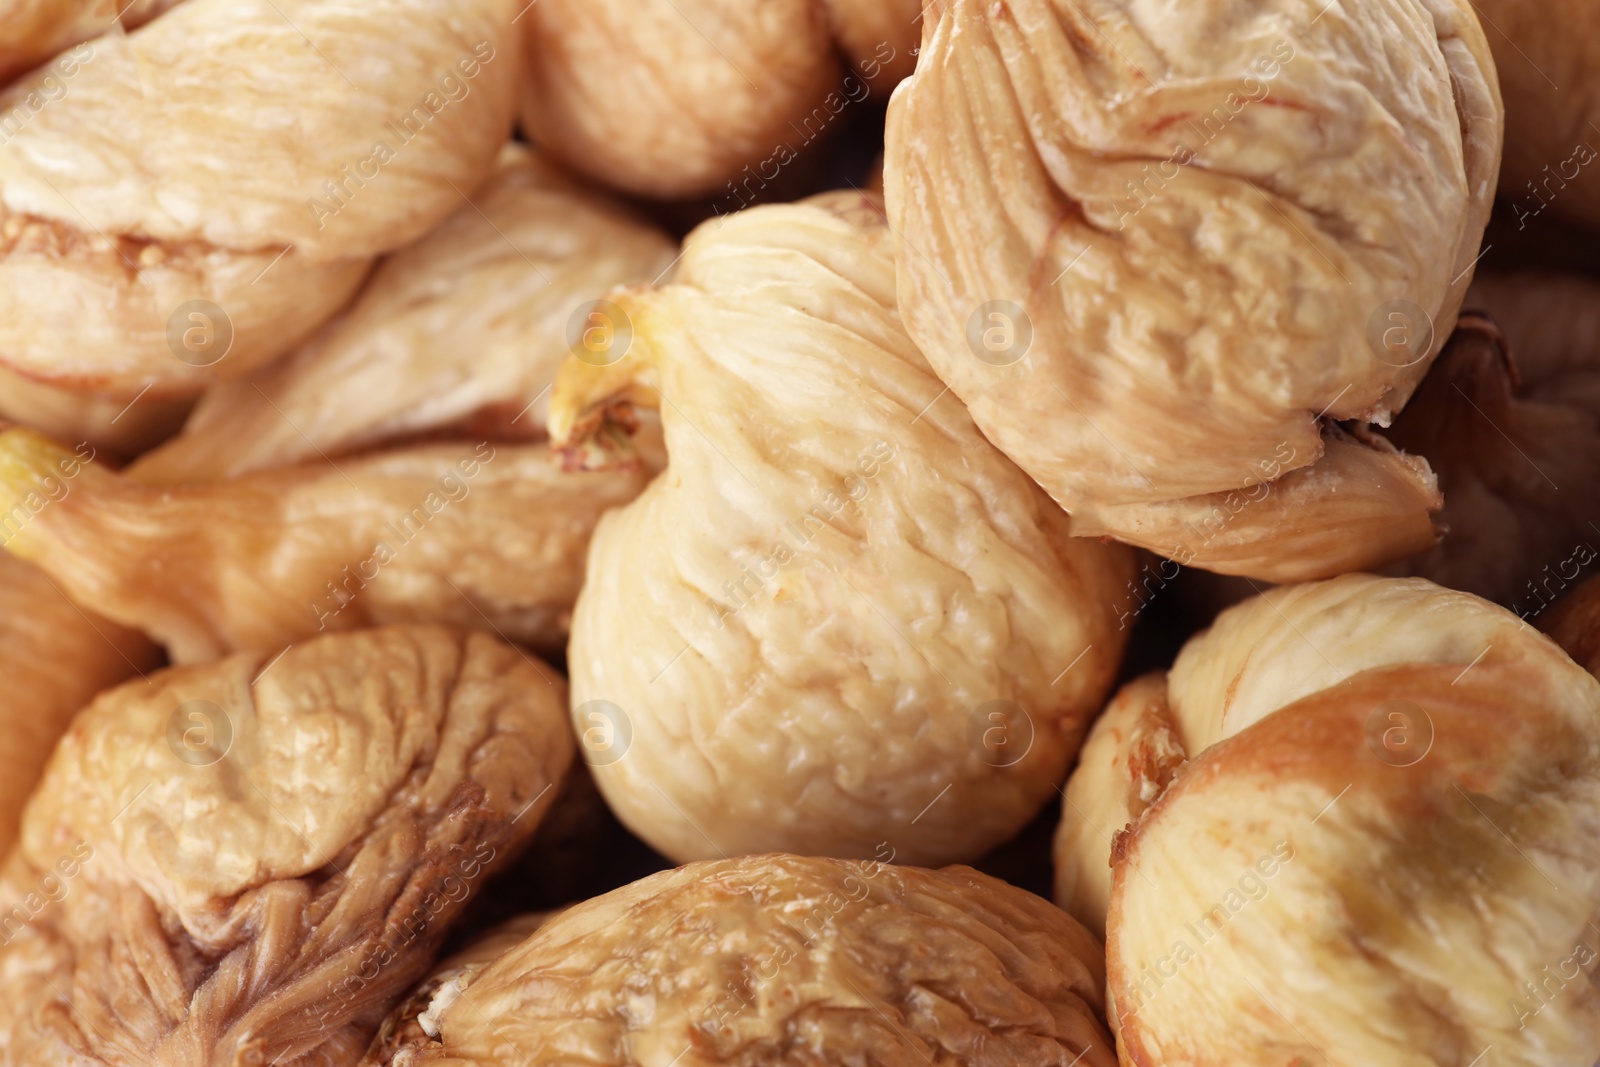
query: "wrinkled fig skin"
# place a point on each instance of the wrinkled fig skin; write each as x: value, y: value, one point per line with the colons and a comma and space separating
x: 271, y: 902
x: 879, y: 37
x: 32, y: 32
x: 806, y: 631
x: 1360, y: 814
x: 1546, y: 54
x: 472, y: 318
x: 783, y: 959
x: 412, y: 1026
x: 54, y: 659
x: 471, y: 535
x: 135, y: 192
x: 1510, y: 419
x: 1199, y: 212
x: 1574, y: 624
x: 673, y: 98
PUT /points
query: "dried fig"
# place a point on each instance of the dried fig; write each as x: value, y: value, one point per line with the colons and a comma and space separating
x: 1206, y: 234
x: 206, y: 190
x: 1574, y: 624
x: 105, y: 422
x: 1546, y: 55
x: 252, y: 861
x: 1367, y: 838
x: 681, y: 98
x: 54, y: 657
x: 414, y: 1023
x: 1510, y: 418
x: 35, y: 31
x: 473, y: 318
x: 453, y: 533
x: 785, y: 959
x: 840, y: 616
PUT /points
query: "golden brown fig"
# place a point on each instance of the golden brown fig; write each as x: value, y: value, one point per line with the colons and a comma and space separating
x: 209, y: 188
x: 1510, y: 418
x: 815, y: 641
x: 784, y: 959
x: 54, y: 657
x: 1356, y: 828
x: 473, y: 318
x: 32, y: 32
x: 1546, y: 55
x: 472, y: 535
x: 676, y: 98
x: 252, y: 861
x: 1205, y: 234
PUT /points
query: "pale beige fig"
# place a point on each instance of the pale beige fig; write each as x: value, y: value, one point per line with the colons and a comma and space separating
x: 784, y: 959
x: 1352, y: 826
x: 1546, y: 55
x: 54, y: 657
x: 1510, y: 419
x: 687, y: 98
x: 206, y: 190
x: 253, y: 861
x: 1159, y: 253
x: 1574, y: 624
x: 36, y: 32
x: 840, y: 616
x: 471, y: 535
x: 470, y: 323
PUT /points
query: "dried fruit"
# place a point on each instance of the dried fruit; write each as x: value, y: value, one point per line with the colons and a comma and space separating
x: 671, y: 98
x: 1575, y: 625
x: 1159, y: 254
x: 1545, y: 55
x: 252, y: 861
x: 1510, y: 418
x: 473, y: 535
x: 33, y: 32
x: 208, y: 189
x: 472, y: 320
x: 839, y: 616
x: 1372, y: 830
x: 683, y: 98
x: 784, y: 959
x: 105, y: 422
x: 54, y: 657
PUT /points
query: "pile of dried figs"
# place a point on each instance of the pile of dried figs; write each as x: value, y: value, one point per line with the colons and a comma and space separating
x: 699, y: 533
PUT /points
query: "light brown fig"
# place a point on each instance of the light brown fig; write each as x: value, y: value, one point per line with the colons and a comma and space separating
x: 1353, y: 826
x: 471, y: 322
x: 472, y: 535
x: 784, y: 959
x: 686, y: 98
x: 252, y: 861
x: 1510, y: 419
x: 839, y: 616
x: 1157, y: 252
x: 54, y: 657
x: 111, y: 423
x: 206, y: 190
x: 1546, y: 55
